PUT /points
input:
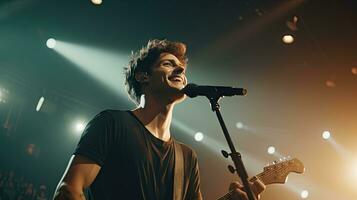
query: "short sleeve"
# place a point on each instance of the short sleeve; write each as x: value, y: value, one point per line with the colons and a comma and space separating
x: 97, y: 138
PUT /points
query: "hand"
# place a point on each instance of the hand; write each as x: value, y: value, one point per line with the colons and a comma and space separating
x: 238, y: 192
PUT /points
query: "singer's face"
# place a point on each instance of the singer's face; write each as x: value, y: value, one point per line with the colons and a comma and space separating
x: 168, y: 77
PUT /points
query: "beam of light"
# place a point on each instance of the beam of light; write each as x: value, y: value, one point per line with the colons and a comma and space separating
x: 343, y: 152
x: 3, y: 95
x: 350, y: 160
x: 103, y: 65
x: 353, y: 170
x: 299, y: 183
x: 253, y: 164
x: 40, y: 103
x: 267, y: 132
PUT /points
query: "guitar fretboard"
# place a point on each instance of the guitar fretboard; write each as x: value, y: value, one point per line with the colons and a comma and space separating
x: 228, y: 196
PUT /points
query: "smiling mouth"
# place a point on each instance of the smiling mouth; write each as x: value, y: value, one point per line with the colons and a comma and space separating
x: 176, y: 79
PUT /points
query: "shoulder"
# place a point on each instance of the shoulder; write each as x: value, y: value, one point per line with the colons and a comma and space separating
x: 110, y: 114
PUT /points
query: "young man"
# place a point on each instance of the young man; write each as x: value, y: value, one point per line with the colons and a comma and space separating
x: 131, y: 154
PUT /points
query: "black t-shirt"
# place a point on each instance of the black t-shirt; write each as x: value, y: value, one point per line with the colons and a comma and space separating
x: 134, y: 163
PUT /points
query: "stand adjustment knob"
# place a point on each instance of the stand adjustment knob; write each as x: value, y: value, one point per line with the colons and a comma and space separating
x: 231, y: 169
x: 225, y: 153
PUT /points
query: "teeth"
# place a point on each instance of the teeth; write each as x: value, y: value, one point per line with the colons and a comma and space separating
x: 176, y: 79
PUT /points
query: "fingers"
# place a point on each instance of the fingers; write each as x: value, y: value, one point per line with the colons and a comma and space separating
x: 235, y: 185
x: 258, y: 187
x: 238, y: 194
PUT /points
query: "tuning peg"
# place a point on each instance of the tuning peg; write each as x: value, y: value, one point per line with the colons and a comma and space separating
x: 281, y: 159
x: 225, y: 153
x: 275, y: 162
x: 231, y: 169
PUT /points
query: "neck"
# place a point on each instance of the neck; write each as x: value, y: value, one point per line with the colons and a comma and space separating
x: 156, y: 115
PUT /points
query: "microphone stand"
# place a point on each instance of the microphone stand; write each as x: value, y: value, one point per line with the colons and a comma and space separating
x: 236, y: 156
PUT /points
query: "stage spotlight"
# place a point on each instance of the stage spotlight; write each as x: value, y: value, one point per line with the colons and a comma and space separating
x: 271, y: 150
x: 354, y: 70
x: 330, y: 83
x: 80, y: 126
x: 239, y: 125
x: 198, y: 136
x: 288, y: 39
x: 40, y: 103
x: 51, y: 43
x: 292, y: 25
x: 326, y: 135
x: 304, y: 194
x: 97, y: 2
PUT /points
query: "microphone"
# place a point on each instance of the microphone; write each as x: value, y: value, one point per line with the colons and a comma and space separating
x: 192, y: 90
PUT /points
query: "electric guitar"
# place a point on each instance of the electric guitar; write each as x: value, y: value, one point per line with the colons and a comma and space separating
x: 276, y: 173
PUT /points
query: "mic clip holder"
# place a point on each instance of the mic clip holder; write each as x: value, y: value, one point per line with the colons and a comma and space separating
x: 235, y: 156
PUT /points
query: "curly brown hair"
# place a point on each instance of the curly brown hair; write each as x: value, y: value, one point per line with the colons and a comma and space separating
x: 143, y: 60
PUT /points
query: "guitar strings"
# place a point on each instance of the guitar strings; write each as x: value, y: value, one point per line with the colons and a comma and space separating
x: 260, y: 176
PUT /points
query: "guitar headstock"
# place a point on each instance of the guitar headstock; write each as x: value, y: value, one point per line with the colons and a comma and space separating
x: 278, y: 172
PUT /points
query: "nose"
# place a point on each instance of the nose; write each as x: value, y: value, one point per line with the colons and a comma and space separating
x: 179, y: 69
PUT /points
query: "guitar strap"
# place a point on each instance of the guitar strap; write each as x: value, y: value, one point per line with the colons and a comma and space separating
x: 179, y: 172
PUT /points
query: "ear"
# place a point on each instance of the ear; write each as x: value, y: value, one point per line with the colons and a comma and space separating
x: 142, y: 77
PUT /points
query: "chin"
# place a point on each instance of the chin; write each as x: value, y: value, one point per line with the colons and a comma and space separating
x: 177, y: 96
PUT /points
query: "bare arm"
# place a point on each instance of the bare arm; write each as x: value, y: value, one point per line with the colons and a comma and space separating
x: 80, y: 174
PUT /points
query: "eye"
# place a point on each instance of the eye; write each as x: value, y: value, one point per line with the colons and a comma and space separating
x: 167, y: 63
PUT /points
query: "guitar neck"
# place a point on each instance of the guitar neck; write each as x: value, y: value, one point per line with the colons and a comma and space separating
x: 276, y: 173
x: 260, y: 176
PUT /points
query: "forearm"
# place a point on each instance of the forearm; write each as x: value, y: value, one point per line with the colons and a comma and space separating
x: 67, y: 192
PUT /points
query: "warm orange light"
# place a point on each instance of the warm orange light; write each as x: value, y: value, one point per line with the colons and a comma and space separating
x: 330, y: 83
x: 354, y: 70
x: 354, y: 170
